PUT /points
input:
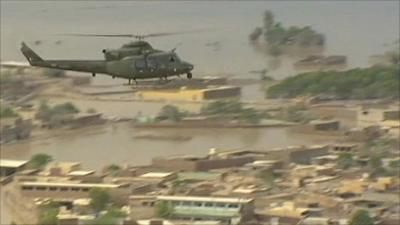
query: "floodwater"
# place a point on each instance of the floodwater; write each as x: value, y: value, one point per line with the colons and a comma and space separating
x: 357, y: 29
x: 101, y: 145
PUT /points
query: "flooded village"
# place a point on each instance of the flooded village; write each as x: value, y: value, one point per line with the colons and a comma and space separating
x: 319, y: 145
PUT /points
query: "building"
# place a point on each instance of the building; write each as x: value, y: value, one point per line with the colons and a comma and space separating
x: 307, y: 171
x: 377, y: 116
x: 183, y: 94
x: 325, y: 125
x: 286, y: 213
x: 70, y: 190
x: 142, y: 206
x: 304, y: 154
x: 175, y: 222
x: 351, y: 188
x: 344, y: 147
x: 61, y: 169
x: 14, y: 129
x: 227, y: 210
x: 9, y: 167
x: 187, y: 163
x: 161, y: 177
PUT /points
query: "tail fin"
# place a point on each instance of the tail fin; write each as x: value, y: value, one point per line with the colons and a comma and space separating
x: 30, y: 55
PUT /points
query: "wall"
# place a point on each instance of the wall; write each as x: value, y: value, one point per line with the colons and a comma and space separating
x: 200, y: 164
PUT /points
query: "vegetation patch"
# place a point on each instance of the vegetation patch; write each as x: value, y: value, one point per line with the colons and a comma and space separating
x: 369, y: 83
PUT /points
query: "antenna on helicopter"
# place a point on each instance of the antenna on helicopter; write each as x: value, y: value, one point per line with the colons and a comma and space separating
x: 176, y: 46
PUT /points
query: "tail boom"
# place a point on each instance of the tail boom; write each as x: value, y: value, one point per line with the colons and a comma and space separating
x: 91, y: 66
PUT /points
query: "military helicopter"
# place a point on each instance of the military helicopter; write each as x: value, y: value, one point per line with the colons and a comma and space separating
x: 134, y: 60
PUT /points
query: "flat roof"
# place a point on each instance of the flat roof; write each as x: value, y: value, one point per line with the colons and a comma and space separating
x: 175, y: 222
x: 198, y: 175
x: 323, y: 121
x: 12, y: 163
x: 81, y: 172
x: 205, y: 199
x: 156, y: 174
x: 82, y: 185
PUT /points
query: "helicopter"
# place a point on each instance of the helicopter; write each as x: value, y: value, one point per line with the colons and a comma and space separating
x: 134, y: 60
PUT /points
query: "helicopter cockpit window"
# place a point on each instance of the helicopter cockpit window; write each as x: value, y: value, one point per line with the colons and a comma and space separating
x: 151, y: 63
x: 140, y: 64
x: 174, y: 58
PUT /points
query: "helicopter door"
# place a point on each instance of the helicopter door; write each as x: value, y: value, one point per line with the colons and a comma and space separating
x: 152, y: 65
x: 140, y: 65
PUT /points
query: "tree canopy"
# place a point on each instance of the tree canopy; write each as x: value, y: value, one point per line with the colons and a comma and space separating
x: 47, y: 113
x: 6, y: 112
x: 345, y: 160
x: 277, y: 36
x: 361, y: 217
x: 233, y: 109
x: 368, y: 83
x: 40, y: 160
x: 164, y: 209
x: 109, y: 218
x: 99, y: 199
x: 48, y: 213
x: 171, y: 113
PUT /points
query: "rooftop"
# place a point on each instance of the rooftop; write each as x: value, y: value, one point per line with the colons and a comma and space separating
x: 79, y: 185
x: 198, y: 175
x: 205, y: 199
x: 12, y: 163
x: 156, y: 175
x: 81, y: 172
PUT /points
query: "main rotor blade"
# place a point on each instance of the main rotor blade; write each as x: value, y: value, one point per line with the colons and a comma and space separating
x: 140, y: 36
x: 102, y: 35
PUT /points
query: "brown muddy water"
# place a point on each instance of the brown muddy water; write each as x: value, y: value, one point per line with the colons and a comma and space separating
x: 98, y: 146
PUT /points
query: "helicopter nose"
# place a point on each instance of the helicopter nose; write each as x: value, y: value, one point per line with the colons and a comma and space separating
x: 189, y: 66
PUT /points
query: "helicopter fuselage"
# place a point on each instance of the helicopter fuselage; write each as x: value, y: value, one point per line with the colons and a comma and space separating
x: 155, y: 64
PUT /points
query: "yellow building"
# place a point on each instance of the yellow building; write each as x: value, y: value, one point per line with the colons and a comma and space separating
x: 184, y: 94
x: 376, y: 116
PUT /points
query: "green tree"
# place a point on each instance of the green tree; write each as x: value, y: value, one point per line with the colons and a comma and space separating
x: 267, y: 176
x: 255, y: 34
x: 250, y: 115
x: 109, y: 218
x: 375, y: 162
x: 164, y: 209
x: 48, y: 214
x: 361, y: 217
x: 47, y: 113
x: 115, y: 212
x: 395, y: 164
x: 368, y: 83
x: 105, y: 219
x: 39, y: 160
x: 268, y: 19
x: 65, y: 108
x: 170, y: 112
x: 112, y: 169
x: 6, y: 112
x: 345, y: 160
x: 99, y: 199
x: 222, y: 107
x: 298, y: 114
